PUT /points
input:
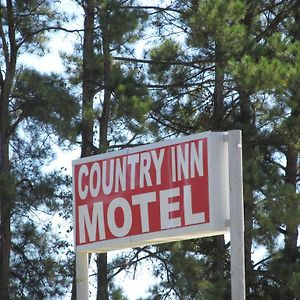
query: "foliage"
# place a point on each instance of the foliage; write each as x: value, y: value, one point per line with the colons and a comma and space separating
x: 36, y: 111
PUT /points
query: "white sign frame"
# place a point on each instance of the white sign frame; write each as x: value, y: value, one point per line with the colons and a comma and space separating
x: 229, y: 160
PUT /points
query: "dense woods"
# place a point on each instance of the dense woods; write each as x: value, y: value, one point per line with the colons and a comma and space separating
x: 143, y: 72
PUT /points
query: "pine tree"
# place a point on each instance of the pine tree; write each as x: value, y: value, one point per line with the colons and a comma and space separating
x: 31, y: 113
x: 237, y: 47
x: 114, y: 98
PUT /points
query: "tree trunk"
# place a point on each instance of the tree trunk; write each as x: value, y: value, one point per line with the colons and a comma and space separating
x: 218, y: 117
x: 9, y: 48
x: 291, y: 251
x: 88, y: 91
x: 102, y: 279
x: 105, y: 116
x: 291, y: 237
x: 5, y: 201
x: 249, y: 206
x: 88, y: 82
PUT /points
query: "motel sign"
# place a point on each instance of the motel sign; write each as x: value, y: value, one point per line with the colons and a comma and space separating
x: 167, y: 191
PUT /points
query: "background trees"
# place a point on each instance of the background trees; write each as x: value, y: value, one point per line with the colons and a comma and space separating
x: 31, y: 114
x: 238, y: 48
x: 144, y: 73
x: 114, y: 99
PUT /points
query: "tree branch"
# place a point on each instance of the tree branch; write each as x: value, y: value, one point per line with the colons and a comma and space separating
x: 194, y: 64
x: 156, y: 8
x: 276, y: 21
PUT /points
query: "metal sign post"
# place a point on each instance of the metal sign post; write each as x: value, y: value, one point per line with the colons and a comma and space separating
x: 82, y: 276
x: 236, y: 215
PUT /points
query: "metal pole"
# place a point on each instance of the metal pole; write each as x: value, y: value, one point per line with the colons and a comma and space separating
x: 236, y: 215
x: 82, y: 276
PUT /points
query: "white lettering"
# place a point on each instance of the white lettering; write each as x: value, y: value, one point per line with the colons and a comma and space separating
x: 95, y: 169
x: 158, y: 163
x: 111, y: 218
x: 132, y: 161
x: 107, y: 187
x: 91, y: 226
x: 82, y: 192
x: 144, y: 169
x: 173, y: 164
x: 182, y: 161
x: 143, y: 201
x: 120, y: 176
x: 196, y: 159
x: 167, y: 207
x: 189, y: 216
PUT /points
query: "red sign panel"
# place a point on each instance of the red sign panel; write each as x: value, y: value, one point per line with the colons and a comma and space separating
x: 140, y: 195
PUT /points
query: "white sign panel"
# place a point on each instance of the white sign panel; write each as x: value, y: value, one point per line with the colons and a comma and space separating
x: 167, y: 191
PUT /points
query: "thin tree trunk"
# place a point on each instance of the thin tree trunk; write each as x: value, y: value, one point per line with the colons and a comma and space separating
x: 291, y: 237
x: 218, y: 117
x: 6, y: 193
x: 249, y: 206
x: 105, y: 116
x: 102, y: 269
x: 5, y: 203
x: 102, y: 277
x: 88, y: 82
x: 291, y: 251
x: 88, y: 91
